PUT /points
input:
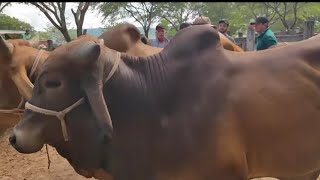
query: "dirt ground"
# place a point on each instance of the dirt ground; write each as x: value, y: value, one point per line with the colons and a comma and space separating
x: 16, y: 166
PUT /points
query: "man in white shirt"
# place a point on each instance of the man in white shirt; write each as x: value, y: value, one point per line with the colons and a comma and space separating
x: 161, y: 41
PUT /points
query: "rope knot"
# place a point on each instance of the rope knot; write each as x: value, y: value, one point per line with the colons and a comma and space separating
x: 61, y: 115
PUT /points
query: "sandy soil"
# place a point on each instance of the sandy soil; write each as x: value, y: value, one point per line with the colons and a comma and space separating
x: 17, y: 166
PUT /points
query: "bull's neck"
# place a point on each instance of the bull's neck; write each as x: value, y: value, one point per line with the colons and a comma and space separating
x: 145, y: 84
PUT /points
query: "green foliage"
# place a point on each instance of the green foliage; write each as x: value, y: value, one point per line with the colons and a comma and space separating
x: 282, y: 15
x: 145, y: 13
x: 43, y: 35
x: 177, y: 13
x: 12, y: 23
x: 171, y: 31
x: 310, y: 11
x: 111, y: 11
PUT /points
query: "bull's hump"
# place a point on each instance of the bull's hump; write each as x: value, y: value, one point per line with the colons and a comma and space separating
x: 194, y: 40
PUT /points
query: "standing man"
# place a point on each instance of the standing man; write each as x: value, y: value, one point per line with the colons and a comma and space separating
x: 266, y: 38
x: 27, y: 35
x: 223, y: 28
x: 161, y: 41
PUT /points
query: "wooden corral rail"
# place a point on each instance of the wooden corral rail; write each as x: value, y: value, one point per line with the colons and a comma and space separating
x: 11, y: 34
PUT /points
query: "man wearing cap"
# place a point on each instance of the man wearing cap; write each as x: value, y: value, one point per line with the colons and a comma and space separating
x: 161, y: 41
x: 266, y: 38
x: 27, y: 35
x: 223, y: 28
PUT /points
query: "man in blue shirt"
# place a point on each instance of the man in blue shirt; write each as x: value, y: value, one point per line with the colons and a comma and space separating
x: 161, y: 41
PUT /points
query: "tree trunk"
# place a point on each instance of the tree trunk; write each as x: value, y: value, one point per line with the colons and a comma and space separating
x: 66, y: 35
x: 146, y: 32
x: 79, y: 30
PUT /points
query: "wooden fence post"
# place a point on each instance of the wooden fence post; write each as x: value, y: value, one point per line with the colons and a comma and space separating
x: 250, y: 44
x: 308, y: 29
x: 50, y: 45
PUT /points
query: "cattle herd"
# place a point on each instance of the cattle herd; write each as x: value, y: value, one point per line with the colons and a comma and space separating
x: 201, y: 108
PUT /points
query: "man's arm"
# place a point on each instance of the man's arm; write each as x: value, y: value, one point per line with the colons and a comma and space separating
x: 273, y: 46
x: 271, y: 42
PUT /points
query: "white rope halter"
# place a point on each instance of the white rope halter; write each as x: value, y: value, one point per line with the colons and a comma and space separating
x: 36, y: 63
x: 61, y: 114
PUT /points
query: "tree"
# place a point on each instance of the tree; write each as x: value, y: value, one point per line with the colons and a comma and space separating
x: 310, y: 11
x: 12, y: 23
x: 230, y: 11
x: 43, y: 35
x: 3, y: 5
x: 177, y: 13
x: 55, y: 12
x: 255, y: 10
x: 54, y: 34
x: 286, y: 11
x: 79, y: 16
x: 145, y: 13
x: 171, y: 31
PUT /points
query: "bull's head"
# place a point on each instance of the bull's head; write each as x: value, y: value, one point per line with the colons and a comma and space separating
x: 71, y: 72
x: 15, y: 57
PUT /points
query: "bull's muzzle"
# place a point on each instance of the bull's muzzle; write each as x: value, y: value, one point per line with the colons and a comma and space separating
x: 25, y: 143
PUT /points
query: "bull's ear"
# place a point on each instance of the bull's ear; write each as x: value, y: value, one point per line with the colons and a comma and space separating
x: 6, y: 50
x: 87, y: 54
x: 93, y: 90
x: 92, y: 84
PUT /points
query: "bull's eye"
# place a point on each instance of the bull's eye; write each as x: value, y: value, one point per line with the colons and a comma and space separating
x: 52, y: 84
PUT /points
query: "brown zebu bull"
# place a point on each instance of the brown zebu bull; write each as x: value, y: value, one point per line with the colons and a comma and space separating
x: 190, y: 112
x: 20, y: 57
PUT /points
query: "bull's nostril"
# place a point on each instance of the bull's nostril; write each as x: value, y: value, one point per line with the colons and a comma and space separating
x: 12, y: 139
